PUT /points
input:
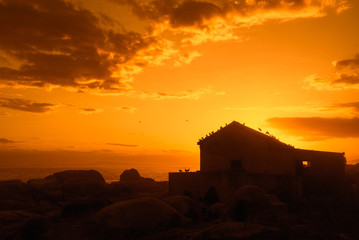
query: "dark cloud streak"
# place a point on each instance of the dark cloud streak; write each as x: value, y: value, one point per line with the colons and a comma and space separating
x: 6, y: 141
x: 348, y: 63
x: 89, y: 109
x: 346, y: 75
x: 122, y: 145
x: 353, y: 105
x: 315, y: 128
x: 25, y: 105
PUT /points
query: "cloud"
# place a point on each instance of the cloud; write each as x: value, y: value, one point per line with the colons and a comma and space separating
x: 346, y: 76
x: 193, y: 13
x: 186, y: 94
x: 122, y: 145
x: 26, y: 105
x: 348, y: 63
x: 127, y: 109
x: 189, y: 94
x: 90, y: 110
x: 216, y: 20
x: 353, y: 105
x: 59, y: 44
x: 199, y: 13
x: 186, y: 58
x: 6, y: 141
x: 4, y: 114
x: 317, y: 128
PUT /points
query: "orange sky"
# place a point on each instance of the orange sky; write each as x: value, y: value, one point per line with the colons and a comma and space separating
x: 147, y: 79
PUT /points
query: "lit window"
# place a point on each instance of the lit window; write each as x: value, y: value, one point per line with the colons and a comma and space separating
x: 306, y: 164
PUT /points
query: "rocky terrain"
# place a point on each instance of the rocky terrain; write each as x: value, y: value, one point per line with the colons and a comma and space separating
x: 79, y: 204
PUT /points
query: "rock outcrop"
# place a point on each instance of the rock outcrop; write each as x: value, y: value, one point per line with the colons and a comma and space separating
x: 80, y: 183
x: 49, y: 187
x: 188, y: 207
x: 245, y: 201
x: 233, y: 230
x: 143, y: 186
x: 130, y: 175
x: 136, y: 217
x: 14, y: 194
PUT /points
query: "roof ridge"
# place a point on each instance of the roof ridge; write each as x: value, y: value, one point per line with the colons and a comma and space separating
x: 238, y: 124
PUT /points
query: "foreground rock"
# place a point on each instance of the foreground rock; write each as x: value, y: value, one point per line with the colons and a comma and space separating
x: 14, y: 194
x: 70, y: 183
x: 144, y: 187
x: 137, y: 217
x: 50, y: 186
x: 130, y: 175
x: 117, y: 191
x: 86, y: 183
x: 233, y: 231
x: 188, y: 207
x: 246, y: 201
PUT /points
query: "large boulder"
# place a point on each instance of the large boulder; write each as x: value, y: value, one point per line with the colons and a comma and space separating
x: 50, y: 185
x: 143, y: 186
x: 233, y: 231
x: 130, y: 175
x: 15, y: 216
x: 80, y: 183
x: 245, y: 201
x: 217, y: 211
x: 117, y: 191
x: 187, y: 206
x: 14, y: 190
x: 12, y: 223
x: 14, y: 194
x: 137, y: 217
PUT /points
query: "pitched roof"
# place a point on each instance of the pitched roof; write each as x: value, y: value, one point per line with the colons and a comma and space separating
x: 237, y: 128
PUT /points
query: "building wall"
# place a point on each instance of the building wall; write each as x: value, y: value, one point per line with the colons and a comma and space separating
x: 325, y: 173
x: 323, y: 164
x: 255, y: 157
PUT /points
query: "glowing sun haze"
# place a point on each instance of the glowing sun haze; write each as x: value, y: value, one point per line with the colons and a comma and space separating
x: 145, y: 79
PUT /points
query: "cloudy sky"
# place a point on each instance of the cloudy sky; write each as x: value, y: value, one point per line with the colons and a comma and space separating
x: 151, y: 77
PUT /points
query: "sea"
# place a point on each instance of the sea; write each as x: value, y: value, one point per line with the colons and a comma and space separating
x: 110, y: 174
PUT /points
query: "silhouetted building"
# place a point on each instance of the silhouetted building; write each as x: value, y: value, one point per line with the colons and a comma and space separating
x: 237, y: 155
